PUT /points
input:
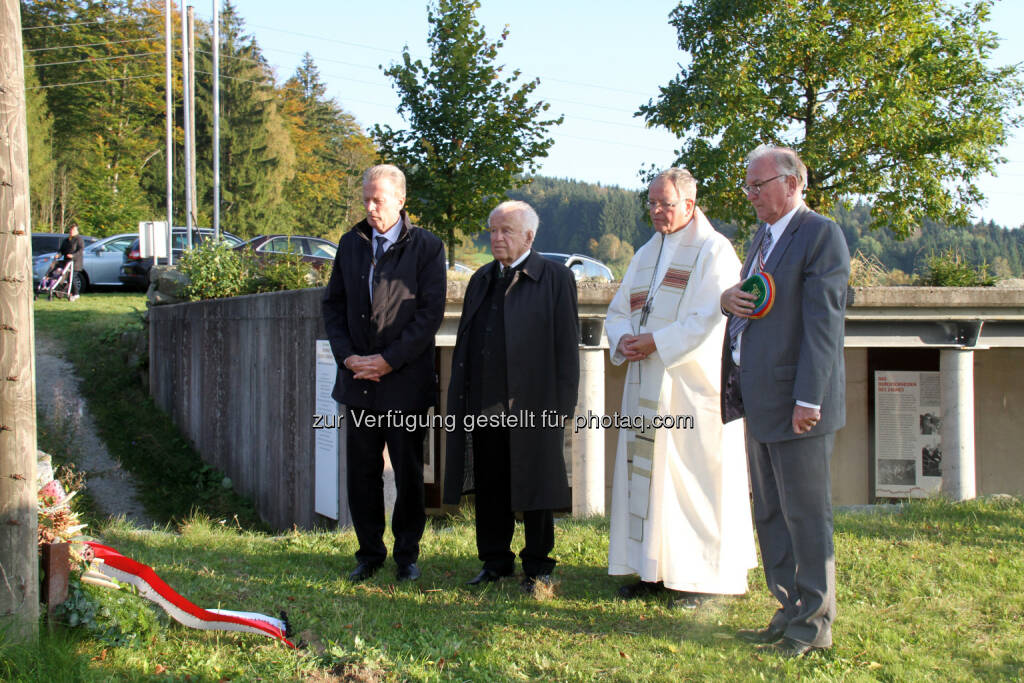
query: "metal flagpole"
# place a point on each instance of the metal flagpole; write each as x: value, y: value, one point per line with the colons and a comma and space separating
x: 188, y: 137
x: 216, y: 120
x: 169, y: 101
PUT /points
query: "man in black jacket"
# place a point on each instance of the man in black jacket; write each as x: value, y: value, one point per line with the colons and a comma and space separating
x: 383, y: 305
x: 515, y: 376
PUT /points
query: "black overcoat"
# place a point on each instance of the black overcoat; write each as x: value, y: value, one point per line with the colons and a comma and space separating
x: 542, y: 347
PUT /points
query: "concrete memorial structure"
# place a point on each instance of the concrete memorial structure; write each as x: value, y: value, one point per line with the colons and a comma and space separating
x: 238, y: 377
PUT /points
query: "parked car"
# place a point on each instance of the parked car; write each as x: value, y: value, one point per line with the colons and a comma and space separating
x: 45, y: 246
x: 461, y: 268
x: 49, y: 242
x: 314, y: 250
x: 135, y: 269
x: 582, y: 267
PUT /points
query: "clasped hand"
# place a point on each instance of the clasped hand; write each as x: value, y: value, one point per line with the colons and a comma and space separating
x: 637, y: 347
x: 368, y: 367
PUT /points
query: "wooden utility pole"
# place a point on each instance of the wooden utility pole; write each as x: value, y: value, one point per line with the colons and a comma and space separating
x: 19, y: 561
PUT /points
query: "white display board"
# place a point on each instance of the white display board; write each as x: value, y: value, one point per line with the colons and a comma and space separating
x: 153, y: 239
x: 327, y: 425
x: 908, y: 448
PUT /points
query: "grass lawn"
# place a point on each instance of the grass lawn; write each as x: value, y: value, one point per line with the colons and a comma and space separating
x: 932, y: 592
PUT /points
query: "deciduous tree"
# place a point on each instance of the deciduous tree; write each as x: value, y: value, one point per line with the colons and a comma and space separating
x: 891, y: 101
x: 472, y: 130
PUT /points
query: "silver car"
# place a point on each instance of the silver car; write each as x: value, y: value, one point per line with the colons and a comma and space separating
x: 582, y: 267
x: 101, y: 261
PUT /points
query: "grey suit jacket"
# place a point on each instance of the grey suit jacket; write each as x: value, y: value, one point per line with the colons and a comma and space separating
x: 796, y: 351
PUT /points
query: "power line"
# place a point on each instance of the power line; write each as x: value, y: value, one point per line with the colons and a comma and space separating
x: 301, y: 54
x: 103, y: 80
x: 109, y: 42
x: 97, y: 59
x: 394, y: 52
x: 79, y: 23
x: 329, y: 40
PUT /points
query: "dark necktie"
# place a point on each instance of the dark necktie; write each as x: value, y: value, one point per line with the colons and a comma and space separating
x: 737, y: 324
x: 379, y: 252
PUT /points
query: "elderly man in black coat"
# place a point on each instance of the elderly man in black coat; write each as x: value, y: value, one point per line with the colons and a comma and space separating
x: 382, y: 307
x: 515, y: 376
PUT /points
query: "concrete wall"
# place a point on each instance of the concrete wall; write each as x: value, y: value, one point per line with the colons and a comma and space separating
x: 851, y: 458
x: 237, y: 376
x: 999, y: 420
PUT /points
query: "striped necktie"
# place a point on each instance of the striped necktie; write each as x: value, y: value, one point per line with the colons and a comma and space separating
x: 736, y: 323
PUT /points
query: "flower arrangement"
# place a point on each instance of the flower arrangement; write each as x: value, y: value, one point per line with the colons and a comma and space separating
x: 58, y: 523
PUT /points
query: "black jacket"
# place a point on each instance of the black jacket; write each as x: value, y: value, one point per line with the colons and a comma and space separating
x: 407, y: 310
x: 73, y: 247
x: 542, y: 361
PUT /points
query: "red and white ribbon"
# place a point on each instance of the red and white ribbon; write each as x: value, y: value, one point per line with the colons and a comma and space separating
x: 152, y: 587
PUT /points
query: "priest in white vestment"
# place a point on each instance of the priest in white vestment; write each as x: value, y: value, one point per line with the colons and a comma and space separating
x: 680, y: 515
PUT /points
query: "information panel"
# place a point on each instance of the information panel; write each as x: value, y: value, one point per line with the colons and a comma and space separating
x: 908, y: 449
x: 325, y: 474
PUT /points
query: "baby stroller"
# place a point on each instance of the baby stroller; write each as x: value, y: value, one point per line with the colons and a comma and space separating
x: 58, y: 280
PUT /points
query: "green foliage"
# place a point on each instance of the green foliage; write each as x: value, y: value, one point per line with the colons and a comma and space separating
x: 276, y: 272
x: 976, y: 244
x: 256, y: 154
x: 472, y: 130
x: 325, y: 194
x: 290, y: 158
x: 106, y: 103
x: 893, y: 102
x: 215, y: 271
x: 950, y: 269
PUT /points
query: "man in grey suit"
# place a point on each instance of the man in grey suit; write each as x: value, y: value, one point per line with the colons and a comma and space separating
x: 784, y: 371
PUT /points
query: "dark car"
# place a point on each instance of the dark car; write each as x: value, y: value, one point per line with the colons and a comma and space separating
x: 314, y: 250
x: 582, y: 267
x: 135, y: 268
x: 49, y: 242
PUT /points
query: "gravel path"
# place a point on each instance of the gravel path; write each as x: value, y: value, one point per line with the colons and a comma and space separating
x: 57, y: 398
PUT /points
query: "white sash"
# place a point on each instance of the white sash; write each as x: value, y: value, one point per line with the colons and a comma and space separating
x: 668, y: 298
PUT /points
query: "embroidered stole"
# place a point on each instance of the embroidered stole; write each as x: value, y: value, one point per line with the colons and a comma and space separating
x: 664, y: 310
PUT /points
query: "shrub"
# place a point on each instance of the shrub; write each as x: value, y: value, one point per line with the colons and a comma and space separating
x: 950, y: 269
x: 869, y: 271
x: 215, y: 271
x: 275, y: 272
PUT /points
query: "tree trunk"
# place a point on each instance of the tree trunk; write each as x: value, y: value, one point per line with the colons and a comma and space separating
x: 19, y: 563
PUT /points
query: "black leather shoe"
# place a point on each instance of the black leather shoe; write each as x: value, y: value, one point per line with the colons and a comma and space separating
x: 408, y: 572
x: 632, y: 591
x: 529, y: 584
x: 770, y: 634
x: 789, y: 648
x: 363, y: 571
x: 486, y: 576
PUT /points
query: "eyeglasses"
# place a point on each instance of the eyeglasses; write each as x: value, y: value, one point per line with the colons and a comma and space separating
x: 668, y: 206
x: 755, y: 188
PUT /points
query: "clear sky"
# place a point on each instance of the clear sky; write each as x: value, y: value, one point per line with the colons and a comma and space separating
x: 598, y: 61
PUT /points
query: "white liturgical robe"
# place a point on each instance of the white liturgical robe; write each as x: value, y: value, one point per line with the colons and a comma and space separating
x: 680, y: 503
